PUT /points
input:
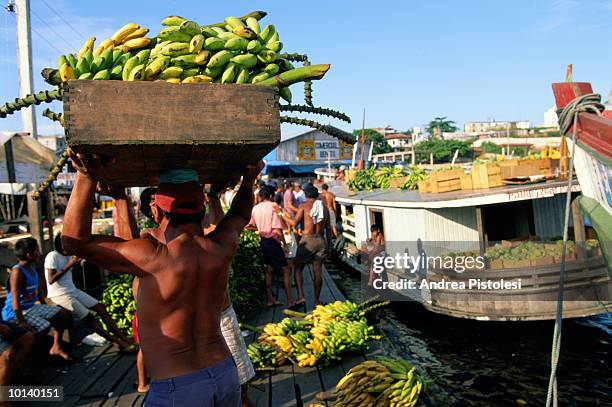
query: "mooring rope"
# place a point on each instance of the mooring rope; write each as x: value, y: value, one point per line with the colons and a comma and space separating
x: 569, y: 116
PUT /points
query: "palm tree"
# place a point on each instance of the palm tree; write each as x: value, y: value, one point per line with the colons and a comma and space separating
x: 443, y: 124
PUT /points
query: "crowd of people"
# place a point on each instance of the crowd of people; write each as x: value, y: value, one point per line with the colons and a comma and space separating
x: 190, y: 348
x: 296, y: 224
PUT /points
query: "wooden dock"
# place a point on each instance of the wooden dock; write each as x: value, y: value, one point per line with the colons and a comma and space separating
x: 105, y: 377
x: 291, y: 386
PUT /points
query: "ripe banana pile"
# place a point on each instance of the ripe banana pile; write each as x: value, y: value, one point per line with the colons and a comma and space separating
x: 382, y: 382
x: 322, y: 335
x: 235, y: 51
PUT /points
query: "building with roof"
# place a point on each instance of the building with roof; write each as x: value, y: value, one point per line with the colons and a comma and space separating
x: 299, y: 154
x: 398, y: 141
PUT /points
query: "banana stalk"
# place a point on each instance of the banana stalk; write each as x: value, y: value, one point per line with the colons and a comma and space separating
x: 52, y: 175
x: 258, y: 15
x: 308, y: 87
x: 312, y: 72
x: 294, y: 57
x: 56, y: 117
x: 315, y: 110
x: 29, y: 100
x: 325, y: 128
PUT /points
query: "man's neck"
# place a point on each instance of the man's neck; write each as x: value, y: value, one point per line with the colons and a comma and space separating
x: 25, y: 263
x: 172, y: 232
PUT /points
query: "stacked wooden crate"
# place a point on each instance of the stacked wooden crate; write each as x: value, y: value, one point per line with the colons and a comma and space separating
x: 486, y: 175
x: 442, y: 181
x: 511, y: 169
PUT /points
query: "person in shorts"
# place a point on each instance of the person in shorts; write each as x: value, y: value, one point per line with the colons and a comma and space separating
x: 230, y: 328
x: 265, y: 219
x: 23, y: 288
x: 62, y: 291
x: 15, y: 346
x: 314, y: 241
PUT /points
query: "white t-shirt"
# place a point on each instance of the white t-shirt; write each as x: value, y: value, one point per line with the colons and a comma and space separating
x: 65, y: 285
x: 300, y: 196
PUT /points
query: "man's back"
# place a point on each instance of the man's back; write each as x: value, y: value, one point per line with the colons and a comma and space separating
x: 309, y: 226
x: 179, y: 305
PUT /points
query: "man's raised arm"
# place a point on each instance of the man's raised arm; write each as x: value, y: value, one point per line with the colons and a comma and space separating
x: 239, y: 214
x: 106, y: 251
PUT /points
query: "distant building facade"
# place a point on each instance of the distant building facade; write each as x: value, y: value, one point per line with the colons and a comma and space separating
x: 550, y: 118
x: 298, y: 155
x: 398, y: 141
x: 494, y: 126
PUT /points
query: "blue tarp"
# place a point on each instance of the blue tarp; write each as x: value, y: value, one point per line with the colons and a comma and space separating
x: 277, y: 165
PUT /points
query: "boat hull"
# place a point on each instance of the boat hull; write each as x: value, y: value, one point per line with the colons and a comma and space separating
x: 587, y: 292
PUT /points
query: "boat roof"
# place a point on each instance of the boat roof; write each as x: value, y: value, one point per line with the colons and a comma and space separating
x: 414, y: 199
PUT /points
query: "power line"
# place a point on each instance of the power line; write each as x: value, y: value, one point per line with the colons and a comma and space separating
x: 52, y: 29
x: 11, y: 10
x: 47, y: 41
x: 64, y: 20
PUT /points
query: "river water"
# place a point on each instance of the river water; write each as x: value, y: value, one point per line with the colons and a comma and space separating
x: 474, y: 363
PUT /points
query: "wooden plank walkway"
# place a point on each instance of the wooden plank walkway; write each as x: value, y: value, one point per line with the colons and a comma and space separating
x: 105, y: 377
x: 291, y: 386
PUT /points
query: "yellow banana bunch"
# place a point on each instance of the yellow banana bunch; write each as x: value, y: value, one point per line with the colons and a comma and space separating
x: 137, y: 43
x: 141, y: 32
x: 120, y: 35
x: 66, y: 72
x: 88, y: 46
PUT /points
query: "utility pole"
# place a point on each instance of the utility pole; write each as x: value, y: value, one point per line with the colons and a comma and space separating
x: 360, y: 165
x: 24, y: 56
x: 21, y: 8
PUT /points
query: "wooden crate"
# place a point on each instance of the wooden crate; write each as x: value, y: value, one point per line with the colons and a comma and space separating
x: 510, y: 169
x: 486, y: 176
x: 424, y: 186
x: 445, y: 180
x: 397, y: 182
x: 153, y: 126
x: 542, y: 261
x: 466, y: 182
x: 517, y: 264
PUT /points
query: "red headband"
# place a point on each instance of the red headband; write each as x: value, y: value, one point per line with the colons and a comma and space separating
x: 186, y: 198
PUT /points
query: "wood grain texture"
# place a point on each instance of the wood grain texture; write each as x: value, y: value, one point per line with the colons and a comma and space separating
x: 147, y: 127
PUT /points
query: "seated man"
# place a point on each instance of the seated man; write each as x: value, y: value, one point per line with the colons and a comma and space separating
x: 182, y: 285
x: 22, y: 291
x: 15, y: 346
x: 62, y: 291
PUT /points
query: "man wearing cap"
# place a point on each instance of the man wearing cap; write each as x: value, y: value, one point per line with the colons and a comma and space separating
x: 183, y: 284
x: 229, y: 321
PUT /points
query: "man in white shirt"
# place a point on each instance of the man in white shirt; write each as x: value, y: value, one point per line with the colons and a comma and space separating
x: 62, y: 291
x: 298, y: 192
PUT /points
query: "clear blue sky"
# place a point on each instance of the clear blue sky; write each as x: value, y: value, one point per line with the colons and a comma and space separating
x: 405, y: 62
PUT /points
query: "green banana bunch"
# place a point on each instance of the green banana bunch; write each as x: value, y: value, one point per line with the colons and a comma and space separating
x: 214, y: 43
x: 175, y: 49
x: 119, y: 302
x: 237, y: 44
x: 245, y: 60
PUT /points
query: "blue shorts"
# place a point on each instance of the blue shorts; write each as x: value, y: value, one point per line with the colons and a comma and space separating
x: 216, y: 385
x: 272, y: 253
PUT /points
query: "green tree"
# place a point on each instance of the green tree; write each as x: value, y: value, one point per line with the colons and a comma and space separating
x: 490, y: 147
x: 443, y: 123
x: 381, y: 145
x: 442, y: 150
